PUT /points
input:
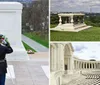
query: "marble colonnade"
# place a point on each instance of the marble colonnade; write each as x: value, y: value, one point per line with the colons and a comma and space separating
x: 62, y: 58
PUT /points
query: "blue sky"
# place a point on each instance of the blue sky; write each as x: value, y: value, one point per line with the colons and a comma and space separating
x: 75, y: 5
x: 87, y: 50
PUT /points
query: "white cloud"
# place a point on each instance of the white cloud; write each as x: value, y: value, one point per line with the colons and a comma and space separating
x: 74, y: 5
x: 87, y: 51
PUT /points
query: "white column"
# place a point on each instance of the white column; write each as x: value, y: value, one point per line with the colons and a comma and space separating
x: 60, y: 20
x: 95, y: 66
x: 69, y: 20
x: 83, y: 19
x: 66, y: 20
x: 68, y: 63
x: 53, y: 59
x: 72, y: 19
x: 81, y: 65
x: 89, y: 65
x: 77, y: 64
x: 74, y: 64
x: 92, y: 65
x: 61, y: 55
x: 98, y: 65
x: 86, y: 65
x: 58, y: 58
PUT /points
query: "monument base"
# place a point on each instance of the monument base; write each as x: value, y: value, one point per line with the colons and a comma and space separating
x: 19, y: 53
x: 71, y: 27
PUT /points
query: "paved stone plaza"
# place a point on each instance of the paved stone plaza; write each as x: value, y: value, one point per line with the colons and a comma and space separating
x: 29, y: 72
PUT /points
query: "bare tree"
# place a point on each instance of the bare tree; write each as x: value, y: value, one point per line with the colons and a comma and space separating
x: 36, y: 17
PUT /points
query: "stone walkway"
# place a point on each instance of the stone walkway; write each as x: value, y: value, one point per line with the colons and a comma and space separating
x: 30, y: 72
x: 33, y: 44
x: 39, y: 56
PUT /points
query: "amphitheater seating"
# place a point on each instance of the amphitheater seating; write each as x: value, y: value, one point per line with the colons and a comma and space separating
x: 86, y: 79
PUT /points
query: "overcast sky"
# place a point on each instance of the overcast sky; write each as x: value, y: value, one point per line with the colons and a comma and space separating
x: 87, y: 51
x: 75, y: 5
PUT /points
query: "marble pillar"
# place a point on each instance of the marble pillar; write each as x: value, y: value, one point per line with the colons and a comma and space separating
x: 61, y: 55
x: 60, y: 20
x: 72, y: 19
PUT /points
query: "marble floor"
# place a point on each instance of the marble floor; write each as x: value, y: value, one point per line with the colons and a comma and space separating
x: 32, y: 72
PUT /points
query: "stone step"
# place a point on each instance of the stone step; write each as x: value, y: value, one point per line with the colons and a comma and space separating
x: 85, y: 80
x: 17, y: 55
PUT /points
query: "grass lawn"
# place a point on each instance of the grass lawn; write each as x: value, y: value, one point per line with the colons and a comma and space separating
x: 91, y: 34
x: 28, y: 47
x: 37, y: 39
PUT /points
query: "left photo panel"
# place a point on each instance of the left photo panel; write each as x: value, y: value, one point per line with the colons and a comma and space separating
x: 24, y: 42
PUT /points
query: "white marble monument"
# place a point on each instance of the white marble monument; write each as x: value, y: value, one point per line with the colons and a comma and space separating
x: 71, y: 22
x: 10, y: 26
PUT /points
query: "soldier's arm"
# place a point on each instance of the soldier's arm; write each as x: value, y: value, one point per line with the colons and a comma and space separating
x: 9, y: 49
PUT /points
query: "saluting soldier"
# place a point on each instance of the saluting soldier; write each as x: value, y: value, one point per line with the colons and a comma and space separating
x: 5, y: 48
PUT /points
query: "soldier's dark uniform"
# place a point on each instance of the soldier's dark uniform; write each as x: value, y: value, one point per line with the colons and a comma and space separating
x: 3, y: 64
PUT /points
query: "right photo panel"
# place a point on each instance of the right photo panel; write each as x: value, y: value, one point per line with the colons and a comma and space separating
x: 75, y: 63
x: 74, y: 42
